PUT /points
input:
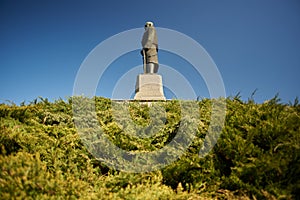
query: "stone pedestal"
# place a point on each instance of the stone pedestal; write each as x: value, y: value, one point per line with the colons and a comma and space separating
x: 149, y: 87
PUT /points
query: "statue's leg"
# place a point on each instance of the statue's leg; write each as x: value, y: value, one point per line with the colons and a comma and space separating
x: 144, y: 60
x: 155, y: 67
x: 151, y: 68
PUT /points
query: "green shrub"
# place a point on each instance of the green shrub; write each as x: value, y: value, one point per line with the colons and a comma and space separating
x: 43, y: 157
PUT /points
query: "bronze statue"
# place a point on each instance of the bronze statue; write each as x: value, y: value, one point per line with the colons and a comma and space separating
x: 150, y: 49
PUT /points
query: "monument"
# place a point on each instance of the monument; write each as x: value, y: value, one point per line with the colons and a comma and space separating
x: 149, y: 84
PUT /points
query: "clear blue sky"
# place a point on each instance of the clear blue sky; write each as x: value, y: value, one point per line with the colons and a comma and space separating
x: 254, y: 43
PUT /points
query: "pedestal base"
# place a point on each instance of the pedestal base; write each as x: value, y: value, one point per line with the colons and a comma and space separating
x: 149, y: 87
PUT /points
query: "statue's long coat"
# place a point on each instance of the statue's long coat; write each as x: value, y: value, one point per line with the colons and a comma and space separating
x: 150, y: 45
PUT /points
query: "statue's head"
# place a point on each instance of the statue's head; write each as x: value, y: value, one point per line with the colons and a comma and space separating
x: 149, y: 24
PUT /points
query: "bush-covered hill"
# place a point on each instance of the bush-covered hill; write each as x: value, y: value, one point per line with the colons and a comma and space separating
x: 256, y: 157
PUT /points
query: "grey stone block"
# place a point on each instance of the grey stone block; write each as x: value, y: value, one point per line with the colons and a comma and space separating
x: 149, y: 87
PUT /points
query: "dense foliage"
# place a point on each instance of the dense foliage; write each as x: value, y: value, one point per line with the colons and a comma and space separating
x: 256, y: 157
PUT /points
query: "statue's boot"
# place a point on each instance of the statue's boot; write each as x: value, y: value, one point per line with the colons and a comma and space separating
x: 151, y: 68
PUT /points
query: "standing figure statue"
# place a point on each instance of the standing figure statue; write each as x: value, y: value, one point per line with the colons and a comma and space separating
x: 150, y: 49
